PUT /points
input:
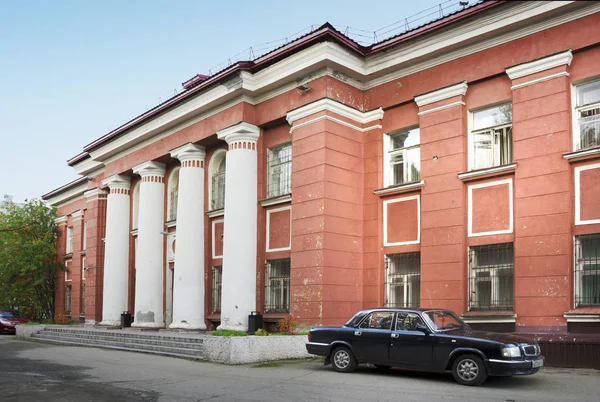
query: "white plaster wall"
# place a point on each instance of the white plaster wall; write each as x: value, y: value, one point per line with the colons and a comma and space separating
x: 239, y: 242
x: 150, y: 260
x: 188, y: 281
x: 116, y: 259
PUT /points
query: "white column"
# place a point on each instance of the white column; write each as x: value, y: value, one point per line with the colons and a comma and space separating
x: 188, y: 276
x: 116, y: 254
x: 239, y: 240
x: 150, y: 254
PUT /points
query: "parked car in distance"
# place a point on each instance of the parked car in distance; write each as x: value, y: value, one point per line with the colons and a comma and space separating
x: 431, y: 340
x: 9, y: 319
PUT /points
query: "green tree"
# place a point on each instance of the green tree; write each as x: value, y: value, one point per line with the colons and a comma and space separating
x: 28, y: 260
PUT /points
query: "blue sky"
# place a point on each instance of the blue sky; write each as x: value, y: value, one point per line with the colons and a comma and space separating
x: 70, y: 71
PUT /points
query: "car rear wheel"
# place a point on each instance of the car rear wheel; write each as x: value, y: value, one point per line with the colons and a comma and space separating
x: 469, y: 370
x: 343, y: 360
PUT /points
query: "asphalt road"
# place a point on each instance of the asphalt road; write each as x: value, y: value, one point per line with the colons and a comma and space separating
x: 39, y: 372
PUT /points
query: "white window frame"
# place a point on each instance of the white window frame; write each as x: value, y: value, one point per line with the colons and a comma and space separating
x: 213, y: 165
x: 268, y: 248
x: 471, y: 143
x: 579, y: 273
x: 69, y: 248
x: 494, y: 278
x: 173, y: 199
x: 577, y: 174
x: 385, y: 220
x: 281, y: 281
x: 67, y: 263
x: 388, y: 154
x: 470, y: 189
x: 578, y: 109
x: 83, y: 268
x: 135, y: 207
x: 407, y: 285
x: 270, y: 152
x: 84, y: 242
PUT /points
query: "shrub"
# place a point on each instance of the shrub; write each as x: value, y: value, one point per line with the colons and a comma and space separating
x: 62, y: 319
x: 261, y: 332
x: 227, y: 333
x: 287, y: 325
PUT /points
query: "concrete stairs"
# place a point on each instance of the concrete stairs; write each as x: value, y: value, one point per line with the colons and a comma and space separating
x: 187, y: 346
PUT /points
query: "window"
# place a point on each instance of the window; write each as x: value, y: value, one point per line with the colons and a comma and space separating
x: 136, y: 206
x: 217, y: 279
x: 403, y: 280
x: 70, y: 240
x: 173, y: 194
x: 68, y: 300
x: 378, y: 320
x: 279, y: 171
x: 68, y: 271
x: 277, y: 286
x: 84, y: 241
x: 82, y: 268
x: 408, y: 321
x: 491, y: 281
x: 403, y: 157
x: 587, y: 113
x: 82, y: 305
x: 491, y: 137
x: 587, y: 270
x: 218, y: 182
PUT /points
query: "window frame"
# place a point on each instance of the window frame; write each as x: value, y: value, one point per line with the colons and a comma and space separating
x: 83, y: 268
x: 220, y: 155
x: 281, y: 306
x: 84, y: 240
x: 407, y: 284
x: 579, y: 273
x: 577, y: 109
x: 388, y: 155
x: 69, y: 245
x: 494, y: 279
x: 472, y: 132
x: 216, y: 302
x: 288, y: 186
x: 172, y: 204
x: 67, y: 263
x: 68, y: 300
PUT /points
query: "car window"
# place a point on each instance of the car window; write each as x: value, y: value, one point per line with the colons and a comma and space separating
x: 9, y: 314
x: 443, y: 319
x: 408, y: 321
x: 378, y: 320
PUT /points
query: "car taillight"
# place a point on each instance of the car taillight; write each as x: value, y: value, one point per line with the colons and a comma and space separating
x: 309, y: 337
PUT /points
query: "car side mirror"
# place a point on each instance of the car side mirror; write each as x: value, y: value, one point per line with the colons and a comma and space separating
x: 422, y: 328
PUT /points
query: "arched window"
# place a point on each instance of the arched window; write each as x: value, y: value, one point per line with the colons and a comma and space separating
x: 136, y: 206
x: 216, y: 173
x: 173, y: 195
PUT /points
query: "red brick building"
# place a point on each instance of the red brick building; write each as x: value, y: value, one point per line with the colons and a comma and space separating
x: 456, y: 165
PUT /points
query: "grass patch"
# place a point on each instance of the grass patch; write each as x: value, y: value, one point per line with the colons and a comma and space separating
x: 268, y: 365
x: 227, y: 333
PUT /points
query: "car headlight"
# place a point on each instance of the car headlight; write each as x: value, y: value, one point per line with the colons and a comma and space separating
x: 511, y: 351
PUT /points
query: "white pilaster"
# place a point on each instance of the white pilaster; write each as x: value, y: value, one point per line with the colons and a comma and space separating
x: 116, y: 254
x: 149, y: 256
x: 188, y: 278
x: 239, y: 240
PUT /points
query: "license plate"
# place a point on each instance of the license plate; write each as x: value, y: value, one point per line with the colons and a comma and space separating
x: 537, y: 363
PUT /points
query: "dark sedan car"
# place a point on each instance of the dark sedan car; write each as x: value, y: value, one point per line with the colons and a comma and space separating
x: 9, y: 319
x: 425, y: 340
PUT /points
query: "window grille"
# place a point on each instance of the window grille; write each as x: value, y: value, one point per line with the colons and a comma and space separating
x: 587, y: 270
x: 68, y: 299
x: 279, y: 168
x: 82, y: 307
x: 218, y: 190
x: 403, y: 280
x: 491, y: 280
x: 405, y: 157
x: 277, y: 286
x: 217, y: 278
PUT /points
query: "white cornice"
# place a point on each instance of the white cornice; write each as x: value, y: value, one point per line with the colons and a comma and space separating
x: 441, y: 94
x: 150, y: 168
x: 61, y: 219
x: 69, y: 195
x: 77, y: 214
x: 540, y: 65
x: 583, y: 153
x: 189, y: 151
x: 437, y: 109
x: 117, y: 181
x: 95, y: 192
x: 581, y: 317
x: 240, y: 132
x: 337, y: 108
x: 87, y: 166
x: 338, y: 121
x: 274, y: 201
x: 215, y: 213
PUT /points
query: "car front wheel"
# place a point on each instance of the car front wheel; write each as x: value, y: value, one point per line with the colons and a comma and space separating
x: 469, y: 370
x: 343, y: 360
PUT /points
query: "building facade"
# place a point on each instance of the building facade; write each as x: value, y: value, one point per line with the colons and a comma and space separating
x: 456, y: 165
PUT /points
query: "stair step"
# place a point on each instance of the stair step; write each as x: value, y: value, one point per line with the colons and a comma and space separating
x: 127, y: 349
x: 121, y: 334
x: 121, y: 345
x: 100, y: 337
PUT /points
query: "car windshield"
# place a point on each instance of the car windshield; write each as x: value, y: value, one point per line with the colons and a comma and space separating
x: 354, y: 321
x: 10, y: 314
x: 441, y: 320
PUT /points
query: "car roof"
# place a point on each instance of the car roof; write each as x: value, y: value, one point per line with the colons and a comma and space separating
x: 369, y: 310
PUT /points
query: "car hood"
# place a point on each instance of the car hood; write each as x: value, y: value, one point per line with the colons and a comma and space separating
x: 15, y: 321
x: 493, y: 336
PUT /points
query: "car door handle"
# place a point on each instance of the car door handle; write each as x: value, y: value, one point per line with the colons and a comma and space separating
x: 357, y: 333
x: 395, y: 336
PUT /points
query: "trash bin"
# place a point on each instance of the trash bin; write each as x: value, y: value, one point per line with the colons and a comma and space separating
x: 126, y: 319
x: 255, y: 322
